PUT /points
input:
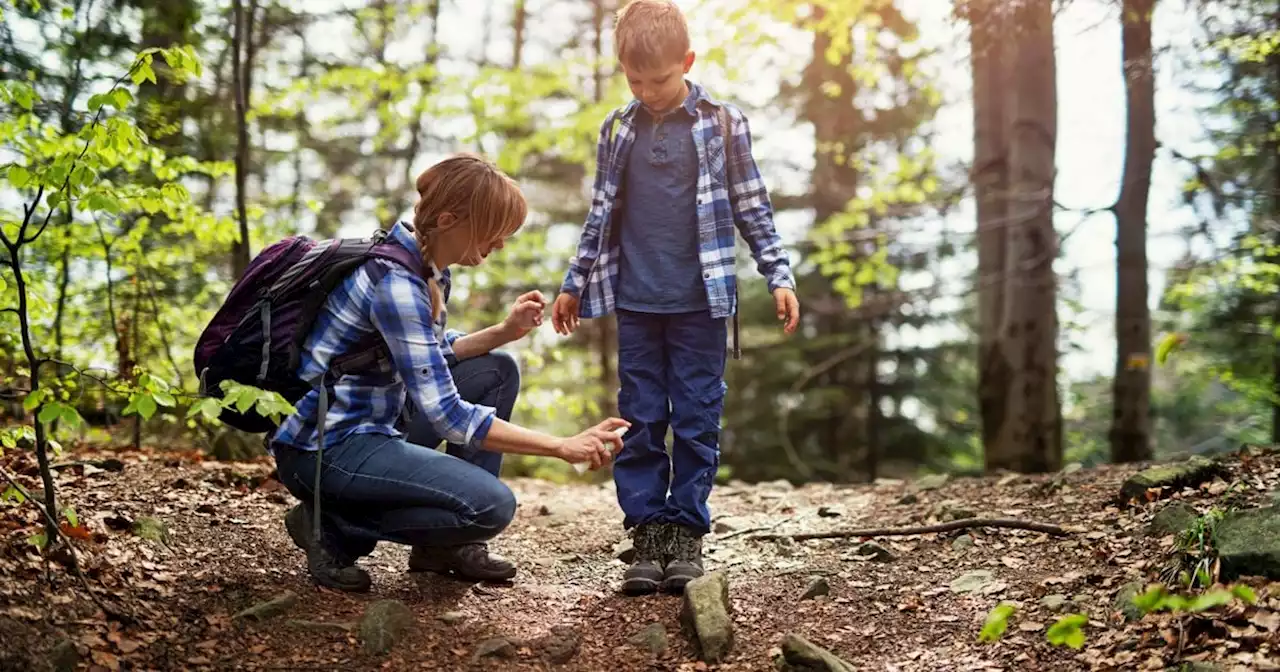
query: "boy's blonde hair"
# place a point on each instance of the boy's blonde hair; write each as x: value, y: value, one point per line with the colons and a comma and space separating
x: 650, y: 33
x: 477, y: 194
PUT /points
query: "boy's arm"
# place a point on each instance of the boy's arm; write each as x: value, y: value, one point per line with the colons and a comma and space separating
x: 752, y: 211
x: 601, y: 193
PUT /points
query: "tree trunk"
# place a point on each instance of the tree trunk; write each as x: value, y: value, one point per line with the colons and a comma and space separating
x: 1131, y: 387
x: 518, y: 24
x: 987, y: 40
x: 241, y: 38
x: 607, y: 335
x: 1022, y: 419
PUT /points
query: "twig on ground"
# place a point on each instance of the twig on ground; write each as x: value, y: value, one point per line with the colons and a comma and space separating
x: 121, y: 616
x: 750, y: 530
x: 926, y: 529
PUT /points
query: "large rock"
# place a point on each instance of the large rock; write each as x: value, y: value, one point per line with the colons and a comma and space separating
x: 1124, y: 600
x: 1192, y: 472
x: 560, y: 645
x: 151, y: 529
x: 706, y: 615
x: 801, y: 655
x: 384, y: 625
x: 1248, y: 543
x: 1172, y: 519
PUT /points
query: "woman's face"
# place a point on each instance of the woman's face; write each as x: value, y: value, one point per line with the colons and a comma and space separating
x: 457, y: 245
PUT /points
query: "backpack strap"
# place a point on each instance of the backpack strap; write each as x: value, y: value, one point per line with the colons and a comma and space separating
x: 723, y: 118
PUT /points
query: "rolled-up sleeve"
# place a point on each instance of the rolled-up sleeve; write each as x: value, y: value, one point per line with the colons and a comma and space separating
x: 401, y: 312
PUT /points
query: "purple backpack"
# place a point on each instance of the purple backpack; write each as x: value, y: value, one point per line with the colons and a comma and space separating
x: 256, y: 337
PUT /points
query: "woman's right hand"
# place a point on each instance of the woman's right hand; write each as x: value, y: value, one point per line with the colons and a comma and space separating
x: 596, y: 446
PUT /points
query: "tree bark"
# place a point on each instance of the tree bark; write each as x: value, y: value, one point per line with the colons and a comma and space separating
x: 1130, y: 434
x: 990, y: 176
x: 1021, y: 357
x: 241, y: 39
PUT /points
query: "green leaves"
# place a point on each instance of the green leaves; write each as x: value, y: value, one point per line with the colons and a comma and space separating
x: 1158, y: 598
x: 19, y: 176
x: 1067, y: 631
x: 997, y: 622
x: 54, y: 411
x: 244, y: 398
x: 1167, y: 345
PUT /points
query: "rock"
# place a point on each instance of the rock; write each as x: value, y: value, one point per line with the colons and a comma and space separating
x: 801, y: 655
x: 1172, y: 519
x: 1198, y: 666
x: 151, y: 529
x: 706, y: 614
x: 883, y: 482
x: 496, y: 647
x: 1248, y: 543
x: 453, y: 617
x: 780, y: 484
x: 652, y: 639
x: 321, y: 626
x: 818, y: 586
x: 384, y: 625
x: 269, y: 609
x: 971, y: 581
x: 962, y: 542
x: 876, y: 552
x: 543, y: 510
x: 560, y: 646
x: 1053, y: 602
x: 908, y: 499
x: 1080, y: 599
x: 1072, y: 468
x: 63, y: 657
x: 730, y: 524
x: 1124, y: 600
x: 1177, y: 475
x: 830, y: 512
x: 950, y: 510
x: 932, y: 482
x: 625, y: 550
x: 1010, y: 479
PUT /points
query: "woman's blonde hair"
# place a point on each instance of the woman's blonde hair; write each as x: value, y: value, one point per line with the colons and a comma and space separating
x: 477, y: 195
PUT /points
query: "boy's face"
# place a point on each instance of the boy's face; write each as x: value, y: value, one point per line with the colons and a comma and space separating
x: 659, y: 88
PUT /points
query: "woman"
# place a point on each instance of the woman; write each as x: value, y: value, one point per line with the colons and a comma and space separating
x: 375, y: 485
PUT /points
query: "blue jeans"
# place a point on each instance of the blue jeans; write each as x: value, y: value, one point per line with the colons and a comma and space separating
x: 671, y: 369
x: 377, y: 488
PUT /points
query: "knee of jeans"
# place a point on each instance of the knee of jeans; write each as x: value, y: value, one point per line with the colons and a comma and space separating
x: 496, y: 507
x: 508, y: 369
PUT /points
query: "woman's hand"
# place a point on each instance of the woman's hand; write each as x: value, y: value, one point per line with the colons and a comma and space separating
x: 594, y: 447
x: 526, y: 314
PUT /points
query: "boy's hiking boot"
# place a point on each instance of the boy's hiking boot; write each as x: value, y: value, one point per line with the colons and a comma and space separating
x: 469, y: 561
x: 326, y: 568
x: 644, y: 576
x: 686, y: 559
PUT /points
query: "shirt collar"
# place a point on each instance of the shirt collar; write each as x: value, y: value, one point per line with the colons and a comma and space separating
x: 697, y: 95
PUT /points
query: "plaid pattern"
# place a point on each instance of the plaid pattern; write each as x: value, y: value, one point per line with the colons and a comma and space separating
x: 398, y: 306
x: 726, y: 199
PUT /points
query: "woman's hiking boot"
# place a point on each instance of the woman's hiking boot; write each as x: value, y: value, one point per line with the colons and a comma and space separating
x: 325, y: 567
x: 686, y: 559
x: 644, y: 576
x: 469, y: 561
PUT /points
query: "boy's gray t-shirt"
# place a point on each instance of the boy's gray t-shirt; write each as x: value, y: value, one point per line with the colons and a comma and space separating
x: 659, y: 269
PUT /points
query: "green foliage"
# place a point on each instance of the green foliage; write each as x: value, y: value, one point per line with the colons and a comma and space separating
x: 1068, y: 631
x: 1157, y: 597
x: 997, y: 622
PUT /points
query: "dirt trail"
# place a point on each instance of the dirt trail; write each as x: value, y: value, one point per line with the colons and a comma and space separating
x: 227, y: 550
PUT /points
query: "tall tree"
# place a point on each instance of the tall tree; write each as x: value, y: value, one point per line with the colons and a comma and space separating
x: 242, y: 47
x: 1022, y: 418
x: 1130, y: 434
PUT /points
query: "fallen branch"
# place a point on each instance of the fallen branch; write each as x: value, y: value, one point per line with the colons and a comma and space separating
x: 926, y: 529
x: 123, y: 617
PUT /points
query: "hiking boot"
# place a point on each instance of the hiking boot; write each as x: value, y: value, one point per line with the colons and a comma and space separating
x: 325, y: 567
x: 644, y: 576
x: 469, y: 561
x: 686, y: 560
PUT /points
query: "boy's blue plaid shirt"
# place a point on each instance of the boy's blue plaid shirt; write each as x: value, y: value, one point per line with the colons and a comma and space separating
x: 727, y: 198
x: 398, y: 306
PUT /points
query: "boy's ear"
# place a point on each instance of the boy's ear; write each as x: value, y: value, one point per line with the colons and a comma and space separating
x: 688, y: 61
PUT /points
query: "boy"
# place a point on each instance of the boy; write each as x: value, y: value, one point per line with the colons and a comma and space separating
x: 657, y: 247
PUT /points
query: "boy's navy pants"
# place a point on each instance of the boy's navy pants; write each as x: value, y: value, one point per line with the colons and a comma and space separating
x: 671, y: 369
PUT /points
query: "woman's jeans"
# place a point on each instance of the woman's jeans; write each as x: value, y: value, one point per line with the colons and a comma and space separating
x: 376, y: 488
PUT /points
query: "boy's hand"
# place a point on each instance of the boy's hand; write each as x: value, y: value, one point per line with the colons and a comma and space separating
x: 788, y: 308
x: 564, y: 314
x: 526, y: 313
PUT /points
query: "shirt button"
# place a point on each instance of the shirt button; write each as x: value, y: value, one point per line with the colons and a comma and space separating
x: 706, y: 276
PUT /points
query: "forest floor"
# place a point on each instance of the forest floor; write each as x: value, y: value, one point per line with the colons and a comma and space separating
x: 226, y: 549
